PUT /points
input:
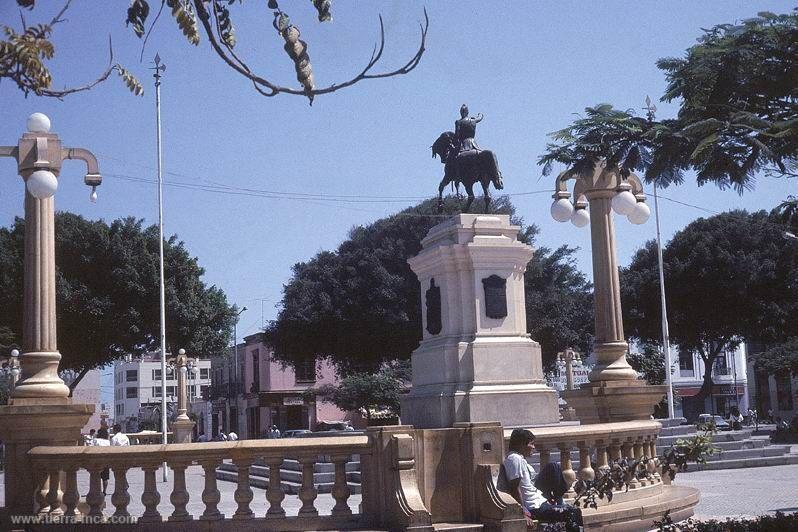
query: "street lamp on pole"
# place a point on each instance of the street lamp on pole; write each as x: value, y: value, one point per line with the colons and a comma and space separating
x: 39, y: 156
x: 614, y: 392
x: 236, y: 369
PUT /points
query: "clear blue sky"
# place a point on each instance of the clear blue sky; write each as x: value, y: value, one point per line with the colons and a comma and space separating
x: 527, y: 66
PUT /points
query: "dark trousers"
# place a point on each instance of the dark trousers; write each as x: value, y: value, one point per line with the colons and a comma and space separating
x: 558, y: 513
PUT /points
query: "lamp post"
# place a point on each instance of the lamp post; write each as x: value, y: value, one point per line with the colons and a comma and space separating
x: 236, y: 369
x: 182, y: 426
x: 11, y: 367
x: 567, y: 359
x: 614, y: 392
x: 39, y: 154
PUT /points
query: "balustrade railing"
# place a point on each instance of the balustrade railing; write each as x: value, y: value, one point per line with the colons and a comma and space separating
x: 595, y: 447
x: 56, y: 470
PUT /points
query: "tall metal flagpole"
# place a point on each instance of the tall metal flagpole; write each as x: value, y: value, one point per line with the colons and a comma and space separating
x: 666, y: 343
x: 158, y: 69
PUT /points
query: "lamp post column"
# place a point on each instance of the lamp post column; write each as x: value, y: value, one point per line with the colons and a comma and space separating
x: 182, y: 427
x: 610, y: 346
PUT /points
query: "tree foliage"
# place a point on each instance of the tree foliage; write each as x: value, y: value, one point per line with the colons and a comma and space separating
x: 738, y: 112
x: 23, y: 55
x: 728, y: 278
x: 360, y: 304
x: 781, y: 358
x: 368, y: 392
x: 107, y: 284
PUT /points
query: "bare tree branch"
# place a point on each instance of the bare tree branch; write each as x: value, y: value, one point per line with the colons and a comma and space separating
x: 111, y: 66
x: 146, y: 37
x: 267, y: 88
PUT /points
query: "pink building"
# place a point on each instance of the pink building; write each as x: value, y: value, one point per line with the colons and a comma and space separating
x: 272, y: 394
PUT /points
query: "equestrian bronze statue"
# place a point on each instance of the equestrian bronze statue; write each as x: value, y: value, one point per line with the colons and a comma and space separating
x: 464, y: 161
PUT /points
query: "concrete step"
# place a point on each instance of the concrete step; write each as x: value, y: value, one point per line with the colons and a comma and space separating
x: 745, y: 462
x: 451, y: 527
x: 318, y: 467
x: 740, y: 454
x: 728, y: 445
x: 289, y: 487
x: 734, y: 435
x: 676, y: 430
x: 290, y: 475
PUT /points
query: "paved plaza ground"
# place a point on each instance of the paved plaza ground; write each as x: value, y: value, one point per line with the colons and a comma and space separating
x: 724, y: 493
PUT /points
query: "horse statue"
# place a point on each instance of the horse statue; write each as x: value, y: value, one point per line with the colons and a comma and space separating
x: 467, y: 167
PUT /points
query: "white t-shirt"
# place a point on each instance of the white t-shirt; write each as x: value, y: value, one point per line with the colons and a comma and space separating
x: 232, y: 436
x: 101, y: 442
x: 120, y: 440
x: 516, y: 467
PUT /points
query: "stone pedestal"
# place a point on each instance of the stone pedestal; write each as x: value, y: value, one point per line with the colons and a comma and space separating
x: 610, y: 401
x: 476, y: 362
x: 29, y: 423
x: 182, y: 430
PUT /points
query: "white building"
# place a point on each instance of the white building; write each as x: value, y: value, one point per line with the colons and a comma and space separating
x: 137, y: 388
x: 730, y: 383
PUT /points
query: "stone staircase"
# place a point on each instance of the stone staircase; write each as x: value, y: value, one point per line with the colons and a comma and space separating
x: 291, y: 475
x: 738, y: 449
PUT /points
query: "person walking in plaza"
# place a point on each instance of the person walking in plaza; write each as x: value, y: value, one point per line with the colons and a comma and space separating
x: 119, y: 439
x: 274, y: 433
x: 102, y: 440
x: 539, y: 495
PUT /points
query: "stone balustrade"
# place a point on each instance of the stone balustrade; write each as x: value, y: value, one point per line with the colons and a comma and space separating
x: 585, y: 451
x: 56, y: 470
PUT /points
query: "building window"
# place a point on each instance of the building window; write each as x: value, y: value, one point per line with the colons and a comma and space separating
x: 156, y: 391
x: 685, y: 363
x: 721, y: 365
x: 784, y: 390
x: 156, y: 374
x: 131, y: 375
x: 170, y: 374
x: 131, y: 392
x: 120, y: 409
x: 204, y: 390
x: 306, y: 371
x: 205, y: 373
x: 171, y: 391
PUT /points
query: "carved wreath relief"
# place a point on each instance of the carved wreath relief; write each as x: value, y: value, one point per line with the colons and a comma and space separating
x: 495, y: 297
x: 433, y: 299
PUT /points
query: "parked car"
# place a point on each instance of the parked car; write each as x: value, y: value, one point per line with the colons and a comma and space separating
x: 717, y: 421
x: 296, y: 433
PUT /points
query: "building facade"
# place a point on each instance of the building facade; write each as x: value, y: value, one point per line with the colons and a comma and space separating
x: 777, y: 393
x: 137, y: 390
x: 729, y: 389
x: 266, y: 393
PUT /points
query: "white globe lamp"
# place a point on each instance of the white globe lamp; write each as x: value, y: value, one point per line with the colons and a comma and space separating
x: 42, y: 184
x: 640, y: 213
x: 38, y: 123
x: 580, y: 217
x: 624, y: 203
x: 561, y: 210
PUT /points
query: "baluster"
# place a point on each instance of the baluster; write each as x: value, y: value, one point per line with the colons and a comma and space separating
x: 601, y: 458
x: 54, y: 493
x: 275, y: 493
x: 629, y: 454
x: 179, y: 497
x: 243, y: 494
x: 651, y: 445
x: 567, y: 469
x: 211, y: 495
x: 615, y: 450
x: 41, y: 488
x: 95, y: 498
x: 586, y: 471
x: 71, y: 496
x: 545, y: 457
x: 340, y: 490
x: 150, y: 496
x: 120, y: 498
x: 307, y: 493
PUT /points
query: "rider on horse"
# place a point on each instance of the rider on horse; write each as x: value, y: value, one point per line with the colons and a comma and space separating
x: 465, y: 130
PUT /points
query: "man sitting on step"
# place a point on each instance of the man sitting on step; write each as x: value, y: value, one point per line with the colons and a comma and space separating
x: 539, y: 495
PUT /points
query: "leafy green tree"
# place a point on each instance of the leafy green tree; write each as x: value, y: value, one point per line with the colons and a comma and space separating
x: 728, y: 278
x: 738, y: 113
x: 107, y: 284
x: 360, y: 305
x: 368, y: 392
x: 23, y: 55
x: 781, y: 358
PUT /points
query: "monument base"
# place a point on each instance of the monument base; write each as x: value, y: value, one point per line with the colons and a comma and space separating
x: 610, y: 401
x: 29, y: 423
x: 182, y: 430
